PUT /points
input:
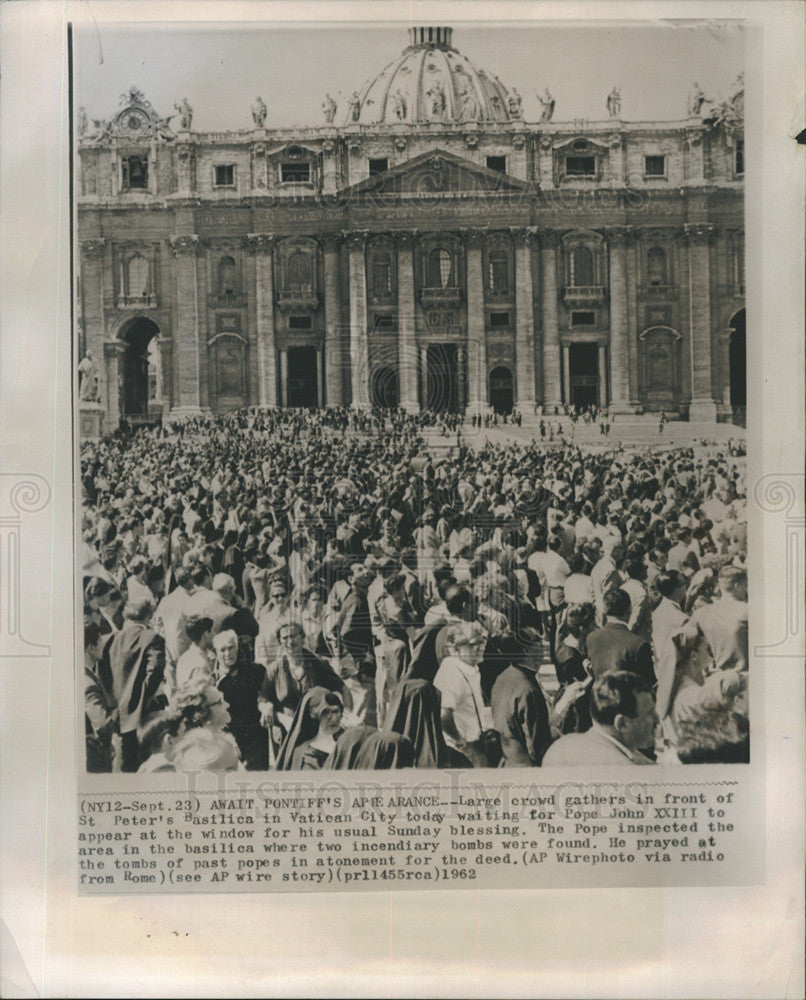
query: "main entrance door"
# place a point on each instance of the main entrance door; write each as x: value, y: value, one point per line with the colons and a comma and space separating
x: 501, y: 389
x: 302, y: 377
x: 583, y: 375
x: 385, y: 389
x: 442, y: 381
x: 140, y: 364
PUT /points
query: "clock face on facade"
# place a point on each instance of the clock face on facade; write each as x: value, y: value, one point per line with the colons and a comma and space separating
x: 133, y: 121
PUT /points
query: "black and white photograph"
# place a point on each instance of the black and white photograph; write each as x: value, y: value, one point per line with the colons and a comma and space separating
x: 402, y: 499
x: 411, y: 396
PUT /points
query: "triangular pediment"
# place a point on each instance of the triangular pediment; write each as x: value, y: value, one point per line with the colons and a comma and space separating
x: 437, y: 172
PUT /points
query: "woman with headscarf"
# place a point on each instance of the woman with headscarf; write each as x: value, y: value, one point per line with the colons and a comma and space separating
x: 313, y: 733
x: 414, y: 712
x: 363, y: 748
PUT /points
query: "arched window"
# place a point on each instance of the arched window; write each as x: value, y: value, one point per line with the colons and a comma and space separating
x: 381, y: 273
x: 440, y: 269
x: 227, y: 278
x: 656, y: 266
x: 499, y: 273
x: 581, y: 267
x: 137, y: 277
x: 300, y: 272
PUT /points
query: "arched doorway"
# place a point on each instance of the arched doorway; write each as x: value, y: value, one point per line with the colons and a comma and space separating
x: 501, y: 398
x: 141, y: 369
x: 385, y: 388
x: 737, y: 361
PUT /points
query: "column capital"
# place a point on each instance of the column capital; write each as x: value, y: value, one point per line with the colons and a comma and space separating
x: 331, y: 242
x: 93, y: 249
x: 523, y: 235
x: 474, y: 239
x: 354, y: 241
x: 406, y: 240
x: 699, y: 232
x: 548, y: 239
x: 187, y: 243
x: 619, y: 235
x: 259, y: 242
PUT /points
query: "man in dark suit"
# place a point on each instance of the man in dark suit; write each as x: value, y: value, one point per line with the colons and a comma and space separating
x: 614, y: 646
x: 134, y: 665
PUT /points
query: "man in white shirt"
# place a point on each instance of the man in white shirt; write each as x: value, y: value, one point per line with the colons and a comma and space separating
x: 552, y: 571
x: 603, y: 575
x: 195, y: 663
x: 464, y: 714
x: 668, y: 617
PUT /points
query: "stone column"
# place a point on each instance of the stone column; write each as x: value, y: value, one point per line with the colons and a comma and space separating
x: 320, y: 378
x: 461, y: 378
x: 114, y: 351
x: 476, y: 342
x: 283, y: 378
x: 166, y: 370
x: 702, y: 405
x: 407, y: 340
x: 603, y: 399
x: 619, y: 361
x: 424, y: 376
x: 552, y: 380
x: 566, y: 374
x: 260, y: 244
x: 724, y: 349
x: 334, y: 352
x: 359, y: 362
x: 92, y: 293
x: 524, y: 323
x: 632, y: 326
x: 186, y: 328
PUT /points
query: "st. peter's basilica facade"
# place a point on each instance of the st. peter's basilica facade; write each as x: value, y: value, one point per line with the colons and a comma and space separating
x: 424, y: 246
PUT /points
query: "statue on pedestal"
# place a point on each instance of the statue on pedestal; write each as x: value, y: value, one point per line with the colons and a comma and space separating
x: 259, y: 112
x: 547, y: 106
x: 329, y: 109
x: 82, y: 122
x: 514, y: 101
x: 355, y: 106
x: 185, y: 114
x: 88, y: 379
x: 614, y: 103
x: 695, y: 101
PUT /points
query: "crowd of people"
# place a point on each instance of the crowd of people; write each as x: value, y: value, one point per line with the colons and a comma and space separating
x: 300, y: 589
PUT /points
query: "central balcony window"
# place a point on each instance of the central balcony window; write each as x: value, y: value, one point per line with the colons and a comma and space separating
x: 441, y: 287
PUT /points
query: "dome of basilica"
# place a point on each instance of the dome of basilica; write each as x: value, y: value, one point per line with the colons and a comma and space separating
x: 431, y: 82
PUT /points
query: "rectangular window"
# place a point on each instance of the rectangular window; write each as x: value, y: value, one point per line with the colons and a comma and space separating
x: 498, y: 319
x: 739, y: 163
x: 299, y: 322
x: 498, y: 163
x: 134, y: 173
x: 654, y: 166
x: 580, y: 166
x: 225, y: 175
x: 378, y: 165
x: 295, y: 173
x: 583, y: 318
